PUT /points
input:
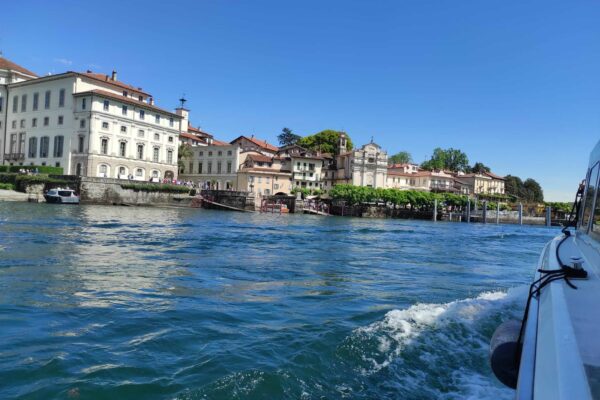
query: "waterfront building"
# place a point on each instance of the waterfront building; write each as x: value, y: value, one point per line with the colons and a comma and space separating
x: 213, y: 166
x: 306, y: 166
x: 89, y: 124
x: 366, y: 166
x: 264, y: 175
x: 483, y: 183
x: 406, y: 168
x: 431, y: 181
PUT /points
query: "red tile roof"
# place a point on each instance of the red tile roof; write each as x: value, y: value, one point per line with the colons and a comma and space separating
x: 124, y: 99
x: 259, y: 158
x: 7, y: 64
x: 260, y: 143
x: 220, y: 143
x: 108, y: 79
x: 198, y: 131
x: 193, y: 137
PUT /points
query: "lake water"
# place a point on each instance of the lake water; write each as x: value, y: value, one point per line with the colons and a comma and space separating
x: 100, y: 302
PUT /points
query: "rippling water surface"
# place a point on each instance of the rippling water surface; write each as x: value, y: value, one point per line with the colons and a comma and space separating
x: 116, y: 302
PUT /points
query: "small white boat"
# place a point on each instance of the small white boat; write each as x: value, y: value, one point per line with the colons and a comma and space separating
x: 554, y: 352
x: 61, y: 196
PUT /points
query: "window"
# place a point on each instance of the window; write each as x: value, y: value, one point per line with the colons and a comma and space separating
x: 155, y: 154
x: 155, y: 174
x: 156, y: 136
x: 13, y: 143
x: 44, y: 146
x: 191, y: 171
x: 122, y: 171
x: 125, y: 93
x: 123, y: 129
x: 228, y: 152
x: 170, y: 156
x: 104, y: 146
x: 32, y: 147
x: 58, y: 146
x: 142, y: 114
x: 141, y: 133
x: 78, y: 169
x: 201, y: 154
x: 139, y: 172
x: 14, y: 124
x: 590, y: 195
x: 157, y: 119
x: 80, y: 141
x: 47, y: 99
x: 170, y: 122
x: 36, y: 100
x: 22, y: 124
x: 124, y: 110
x: 82, y: 123
x: 103, y: 170
x: 210, y: 153
x: 83, y: 103
x: 209, y: 169
x: 170, y: 139
x: 46, y: 121
x: 60, y: 119
x: 23, y: 103
x: 141, y: 98
x: 220, y: 153
x: 106, y: 105
x: 122, y: 148
x: 140, y: 151
x: 104, y: 125
x: 61, y: 98
x: 218, y: 167
x: 1, y: 103
x: 34, y: 122
x: 199, y: 167
x: 228, y: 167
x: 260, y: 179
x: 15, y: 104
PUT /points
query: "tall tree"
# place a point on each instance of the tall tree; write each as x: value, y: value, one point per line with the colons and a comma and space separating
x: 447, y: 159
x: 402, y: 157
x: 325, y: 141
x: 184, y: 152
x: 287, y: 137
x: 513, y: 185
x: 479, y: 168
x: 534, y: 190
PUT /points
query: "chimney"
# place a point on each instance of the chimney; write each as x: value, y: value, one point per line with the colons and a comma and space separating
x: 114, y: 75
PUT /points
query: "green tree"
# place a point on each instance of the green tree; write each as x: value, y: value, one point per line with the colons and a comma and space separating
x: 325, y: 141
x: 448, y: 159
x: 513, y: 185
x: 287, y: 137
x: 480, y: 168
x: 534, y: 191
x: 402, y: 157
x: 184, y: 152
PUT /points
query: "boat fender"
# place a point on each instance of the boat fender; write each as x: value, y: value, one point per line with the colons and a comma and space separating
x: 503, y: 352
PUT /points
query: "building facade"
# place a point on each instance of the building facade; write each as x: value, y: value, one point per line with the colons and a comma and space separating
x: 366, y: 166
x: 89, y: 124
x: 213, y: 166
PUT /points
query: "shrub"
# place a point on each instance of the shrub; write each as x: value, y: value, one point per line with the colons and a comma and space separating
x: 7, y: 186
x: 156, y: 187
x: 42, y: 169
x: 8, y: 178
x: 32, y: 179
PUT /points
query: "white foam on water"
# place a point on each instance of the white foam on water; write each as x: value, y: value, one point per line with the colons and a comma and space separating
x: 449, y: 341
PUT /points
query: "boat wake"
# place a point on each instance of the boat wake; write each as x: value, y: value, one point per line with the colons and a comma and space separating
x: 438, y: 350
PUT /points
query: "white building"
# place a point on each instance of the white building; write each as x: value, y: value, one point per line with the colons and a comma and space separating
x: 366, y: 166
x: 213, y: 166
x: 89, y: 124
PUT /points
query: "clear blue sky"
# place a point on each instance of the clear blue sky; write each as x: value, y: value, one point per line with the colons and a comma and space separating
x: 514, y: 84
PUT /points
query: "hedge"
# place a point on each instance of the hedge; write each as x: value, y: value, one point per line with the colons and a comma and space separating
x: 7, y: 186
x: 156, y: 187
x: 8, y: 178
x: 42, y: 169
x: 32, y: 179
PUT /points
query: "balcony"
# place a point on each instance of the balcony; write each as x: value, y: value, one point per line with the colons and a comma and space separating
x: 14, y: 156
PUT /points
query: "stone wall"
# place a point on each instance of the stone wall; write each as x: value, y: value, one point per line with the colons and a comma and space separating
x: 109, y: 191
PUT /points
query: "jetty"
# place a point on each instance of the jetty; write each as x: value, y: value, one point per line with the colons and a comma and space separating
x: 204, y: 200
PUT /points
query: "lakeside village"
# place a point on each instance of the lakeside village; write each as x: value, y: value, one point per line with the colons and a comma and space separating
x: 110, y: 140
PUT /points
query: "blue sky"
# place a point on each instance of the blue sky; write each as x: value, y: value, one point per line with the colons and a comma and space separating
x: 514, y: 84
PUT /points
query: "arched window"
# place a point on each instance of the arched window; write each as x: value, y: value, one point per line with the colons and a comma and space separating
x: 103, y: 170
x: 122, y: 171
x: 139, y: 172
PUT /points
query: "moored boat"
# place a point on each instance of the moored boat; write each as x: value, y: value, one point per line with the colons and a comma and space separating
x: 554, y: 352
x: 61, y: 196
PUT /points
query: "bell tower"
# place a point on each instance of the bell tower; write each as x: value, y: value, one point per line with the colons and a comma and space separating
x: 342, y: 141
